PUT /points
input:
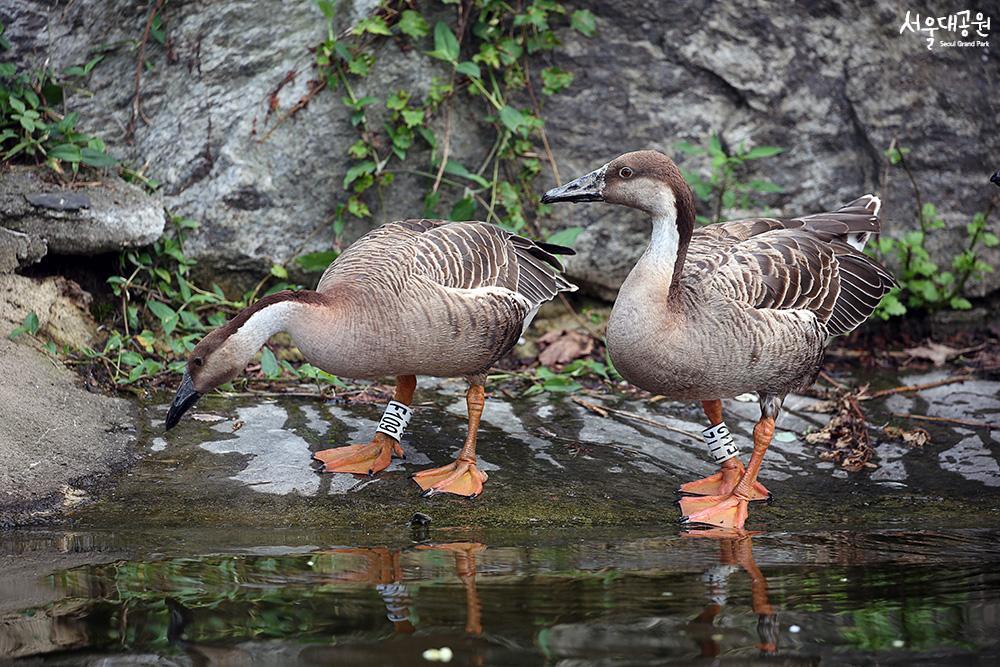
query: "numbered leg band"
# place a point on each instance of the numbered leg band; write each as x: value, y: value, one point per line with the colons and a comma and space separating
x: 720, y: 442
x: 395, y: 419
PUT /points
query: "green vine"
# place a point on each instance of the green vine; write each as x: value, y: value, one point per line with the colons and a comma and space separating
x: 723, y: 188
x: 486, y: 47
x: 35, y: 127
x: 923, y: 285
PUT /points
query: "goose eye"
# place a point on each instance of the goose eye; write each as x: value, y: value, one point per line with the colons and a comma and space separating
x: 625, y: 172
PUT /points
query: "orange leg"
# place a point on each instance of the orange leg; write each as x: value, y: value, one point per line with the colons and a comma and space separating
x: 730, y: 472
x: 375, y: 456
x: 730, y: 510
x: 461, y: 477
x: 465, y: 568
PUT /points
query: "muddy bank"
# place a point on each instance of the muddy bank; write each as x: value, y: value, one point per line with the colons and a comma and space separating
x: 56, y: 438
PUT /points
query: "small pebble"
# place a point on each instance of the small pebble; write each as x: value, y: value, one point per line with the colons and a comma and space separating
x: 794, y: 629
x: 443, y: 654
x: 420, y: 519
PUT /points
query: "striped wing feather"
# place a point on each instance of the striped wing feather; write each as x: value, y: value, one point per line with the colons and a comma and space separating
x: 808, y: 263
x: 459, y: 255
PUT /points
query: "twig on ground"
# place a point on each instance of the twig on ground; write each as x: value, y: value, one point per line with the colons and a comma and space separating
x: 830, y: 381
x: 604, y: 411
x: 948, y: 420
x: 915, y: 387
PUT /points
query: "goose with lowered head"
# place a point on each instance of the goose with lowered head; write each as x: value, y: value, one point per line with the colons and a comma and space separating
x: 416, y: 297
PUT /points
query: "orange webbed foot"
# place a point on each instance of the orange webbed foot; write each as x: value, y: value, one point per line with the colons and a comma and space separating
x: 366, y: 459
x: 460, y: 477
x: 728, y: 511
x: 723, y: 483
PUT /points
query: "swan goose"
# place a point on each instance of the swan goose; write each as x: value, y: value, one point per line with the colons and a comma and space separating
x: 730, y: 308
x: 416, y: 297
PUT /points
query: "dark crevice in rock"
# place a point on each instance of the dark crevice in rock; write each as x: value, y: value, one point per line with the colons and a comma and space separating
x: 203, y: 162
x: 861, y: 133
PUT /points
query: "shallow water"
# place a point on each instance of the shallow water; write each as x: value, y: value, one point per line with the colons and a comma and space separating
x: 225, y: 546
x: 544, y: 598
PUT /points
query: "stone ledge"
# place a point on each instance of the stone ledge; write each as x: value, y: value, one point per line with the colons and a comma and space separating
x: 100, y: 216
x: 18, y: 250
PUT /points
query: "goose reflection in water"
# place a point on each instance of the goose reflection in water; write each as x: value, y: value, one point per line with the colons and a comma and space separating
x: 382, y: 569
x: 735, y: 554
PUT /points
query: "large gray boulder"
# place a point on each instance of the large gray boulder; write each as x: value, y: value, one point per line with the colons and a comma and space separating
x: 833, y: 83
x: 56, y: 436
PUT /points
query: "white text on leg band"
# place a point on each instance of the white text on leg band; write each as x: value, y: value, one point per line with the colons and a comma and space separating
x: 720, y: 442
x: 395, y: 420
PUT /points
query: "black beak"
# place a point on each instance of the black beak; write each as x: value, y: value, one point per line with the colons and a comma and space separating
x: 995, y: 178
x: 185, y: 397
x: 586, y: 188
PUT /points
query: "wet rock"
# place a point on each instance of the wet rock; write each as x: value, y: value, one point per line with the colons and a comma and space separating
x: 551, y: 462
x: 59, y: 303
x: 102, y: 216
x: 54, y: 435
x: 420, y: 519
x: 834, y: 84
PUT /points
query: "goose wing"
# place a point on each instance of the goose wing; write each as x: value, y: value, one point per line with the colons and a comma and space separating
x: 811, y: 263
x: 458, y: 255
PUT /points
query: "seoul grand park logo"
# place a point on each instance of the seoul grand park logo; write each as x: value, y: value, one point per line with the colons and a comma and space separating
x: 959, y: 30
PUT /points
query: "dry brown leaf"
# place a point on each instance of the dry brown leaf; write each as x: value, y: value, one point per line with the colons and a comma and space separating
x: 563, y: 346
x: 936, y: 353
x: 916, y: 437
x: 822, y: 407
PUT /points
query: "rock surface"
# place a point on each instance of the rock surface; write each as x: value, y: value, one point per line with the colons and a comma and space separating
x: 60, y: 304
x: 53, y: 435
x: 832, y: 83
x: 102, y: 216
x: 18, y: 250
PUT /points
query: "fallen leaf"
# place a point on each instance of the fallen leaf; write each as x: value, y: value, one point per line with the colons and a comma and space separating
x: 206, y: 417
x: 936, y: 353
x: 563, y: 346
x: 821, y: 407
x: 916, y: 437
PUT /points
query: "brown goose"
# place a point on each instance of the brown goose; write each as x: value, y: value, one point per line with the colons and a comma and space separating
x: 417, y: 297
x: 735, y: 307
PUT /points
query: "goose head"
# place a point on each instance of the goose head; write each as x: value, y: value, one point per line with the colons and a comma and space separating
x: 215, y: 360
x: 223, y: 354
x: 645, y: 180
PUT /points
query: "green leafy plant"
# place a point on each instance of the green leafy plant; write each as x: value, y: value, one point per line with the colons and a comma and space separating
x: 723, y: 188
x: 33, y: 129
x: 28, y: 326
x: 163, y: 313
x: 923, y: 283
x: 485, y: 50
